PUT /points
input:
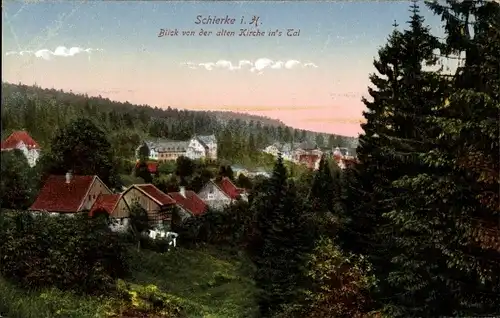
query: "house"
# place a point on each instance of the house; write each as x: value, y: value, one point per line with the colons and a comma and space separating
x: 116, y: 207
x: 218, y: 194
x: 237, y: 170
x: 69, y: 194
x: 202, y: 147
x: 287, y: 151
x: 304, y: 148
x: 273, y: 149
x: 310, y: 160
x: 22, y: 140
x: 157, y: 203
x: 164, y: 150
x: 342, y: 157
x: 258, y: 173
x: 188, y: 202
x: 171, y: 150
x: 152, y: 166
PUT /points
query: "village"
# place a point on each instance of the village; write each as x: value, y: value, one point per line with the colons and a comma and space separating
x: 70, y: 194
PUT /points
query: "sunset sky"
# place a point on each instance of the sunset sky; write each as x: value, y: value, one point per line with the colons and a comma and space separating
x: 313, y: 81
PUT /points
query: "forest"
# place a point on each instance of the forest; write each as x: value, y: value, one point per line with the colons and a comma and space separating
x: 241, y: 137
x: 411, y: 230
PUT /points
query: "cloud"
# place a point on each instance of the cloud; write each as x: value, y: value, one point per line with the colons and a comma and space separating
x: 258, y: 66
x: 59, y: 51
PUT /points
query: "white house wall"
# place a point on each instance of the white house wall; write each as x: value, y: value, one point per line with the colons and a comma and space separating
x: 214, y: 197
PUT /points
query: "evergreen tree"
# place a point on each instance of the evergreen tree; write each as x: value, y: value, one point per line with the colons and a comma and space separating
x: 448, y: 227
x: 143, y: 152
x: 283, y: 238
x: 396, y: 130
x: 320, y: 140
x: 323, y: 188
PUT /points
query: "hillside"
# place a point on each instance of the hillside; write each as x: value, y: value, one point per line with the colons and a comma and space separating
x: 26, y: 106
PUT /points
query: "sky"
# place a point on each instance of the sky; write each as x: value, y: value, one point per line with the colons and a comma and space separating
x: 314, y: 80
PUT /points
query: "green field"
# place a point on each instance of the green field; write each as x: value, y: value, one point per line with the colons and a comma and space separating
x: 205, y: 282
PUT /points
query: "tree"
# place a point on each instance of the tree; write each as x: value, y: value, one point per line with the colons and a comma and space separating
x: 339, y: 284
x: 244, y: 182
x: 167, y: 183
x: 143, y: 152
x: 323, y: 187
x: 184, y: 168
x: 16, y: 180
x: 226, y: 171
x: 283, y: 236
x: 320, y: 140
x: 84, y: 149
x: 395, y: 132
x: 142, y: 171
x: 452, y: 211
x: 167, y: 167
x: 139, y: 222
x: 331, y: 141
x: 34, y: 256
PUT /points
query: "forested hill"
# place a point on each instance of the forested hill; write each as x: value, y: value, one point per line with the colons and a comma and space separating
x: 41, y: 111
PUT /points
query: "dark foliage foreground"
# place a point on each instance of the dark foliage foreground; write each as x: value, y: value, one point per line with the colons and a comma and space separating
x: 70, y: 253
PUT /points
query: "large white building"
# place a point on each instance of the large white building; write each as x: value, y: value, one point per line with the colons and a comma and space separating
x: 198, y: 147
x: 202, y: 147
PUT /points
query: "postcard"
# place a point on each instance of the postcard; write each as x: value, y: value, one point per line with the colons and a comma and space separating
x: 249, y: 159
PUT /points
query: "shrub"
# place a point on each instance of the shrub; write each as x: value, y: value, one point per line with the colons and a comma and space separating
x: 338, y: 286
x: 233, y: 226
x: 70, y: 253
x: 150, y: 301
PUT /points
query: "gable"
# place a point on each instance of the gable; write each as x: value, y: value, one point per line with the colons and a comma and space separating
x: 195, y: 143
x: 133, y: 194
x: 94, y: 191
x: 213, y: 189
x: 150, y: 192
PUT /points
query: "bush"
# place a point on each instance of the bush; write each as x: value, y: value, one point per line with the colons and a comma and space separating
x: 70, y: 253
x: 338, y: 285
x: 18, y: 303
x: 233, y: 226
x: 149, y: 301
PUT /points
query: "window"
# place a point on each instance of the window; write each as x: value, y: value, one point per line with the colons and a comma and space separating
x: 211, y: 189
x: 210, y: 196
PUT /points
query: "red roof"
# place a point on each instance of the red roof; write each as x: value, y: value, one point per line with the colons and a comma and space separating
x: 152, y: 166
x: 229, y: 188
x: 16, y: 137
x: 106, y: 202
x: 156, y: 194
x: 59, y: 196
x: 191, y: 202
x: 349, y: 162
x: 309, y: 160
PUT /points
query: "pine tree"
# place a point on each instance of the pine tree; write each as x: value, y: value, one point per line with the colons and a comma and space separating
x: 284, y: 237
x: 394, y: 133
x: 322, y: 193
x: 452, y: 209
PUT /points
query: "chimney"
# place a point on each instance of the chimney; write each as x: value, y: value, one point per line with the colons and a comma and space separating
x: 68, y: 177
x: 182, y: 191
